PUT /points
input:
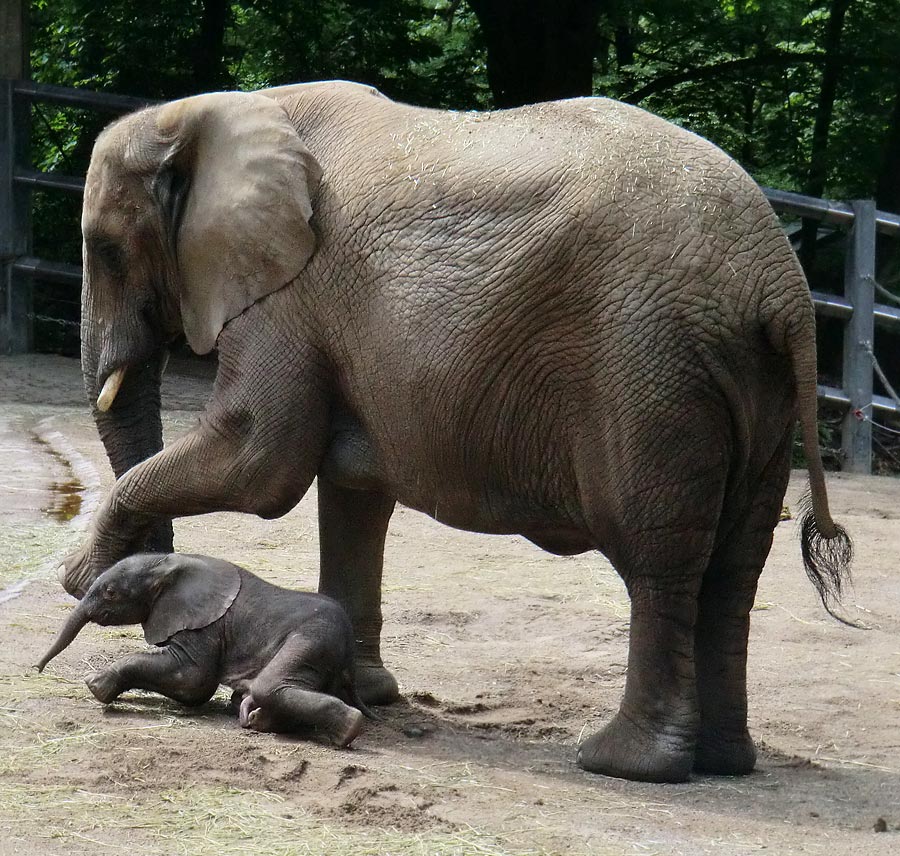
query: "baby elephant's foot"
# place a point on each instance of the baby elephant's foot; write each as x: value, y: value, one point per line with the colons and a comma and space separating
x: 348, y: 728
x: 235, y: 702
x: 251, y: 715
x: 261, y: 720
x: 104, y: 685
x: 247, y: 706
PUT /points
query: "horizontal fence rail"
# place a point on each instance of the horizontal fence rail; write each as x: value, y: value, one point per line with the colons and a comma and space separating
x: 826, y: 211
x: 36, y: 179
x: 83, y: 98
x: 51, y: 271
x: 856, y: 308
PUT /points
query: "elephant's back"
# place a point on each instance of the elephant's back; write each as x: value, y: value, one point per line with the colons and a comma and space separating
x: 595, y: 176
x: 579, y: 151
x: 283, y: 607
x: 264, y: 616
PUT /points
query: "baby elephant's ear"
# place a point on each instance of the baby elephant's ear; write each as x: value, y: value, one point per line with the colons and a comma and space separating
x: 195, y: 592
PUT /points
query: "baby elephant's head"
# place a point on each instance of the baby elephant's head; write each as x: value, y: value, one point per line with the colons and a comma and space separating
x: 165, y: 593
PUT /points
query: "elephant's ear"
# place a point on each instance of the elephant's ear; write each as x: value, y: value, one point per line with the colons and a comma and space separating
x: 236, y: 186
x: 195, y: 591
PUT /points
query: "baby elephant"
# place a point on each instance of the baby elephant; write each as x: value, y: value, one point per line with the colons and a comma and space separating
x: 286, y: 654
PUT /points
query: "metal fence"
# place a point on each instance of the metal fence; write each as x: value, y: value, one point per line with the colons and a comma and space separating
x: 18, y: 180
x: 860, y: 314
x: 856, y: 308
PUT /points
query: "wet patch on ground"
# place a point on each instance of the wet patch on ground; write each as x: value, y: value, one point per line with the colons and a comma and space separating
x: 49, y: 490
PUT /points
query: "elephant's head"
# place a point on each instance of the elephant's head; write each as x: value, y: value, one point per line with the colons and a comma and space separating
x: 164, y: 593
x: 192, y: 211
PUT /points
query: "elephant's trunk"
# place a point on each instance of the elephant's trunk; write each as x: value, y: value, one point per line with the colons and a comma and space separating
x: 77, y: 619
x: 128, y: 418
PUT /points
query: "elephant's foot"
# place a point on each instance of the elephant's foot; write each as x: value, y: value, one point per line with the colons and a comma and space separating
x: 251, y: 715
x: 79, y: 569
x: 346, y: 731
x: 626, y: 750
x: 724, y: 755
x: 375, y: 684
x: 342, y: 726
x: 104, y: 686
x: 246, y: 706
x: 260, y: 720
x: 74, y: 573
x: 235, y: 701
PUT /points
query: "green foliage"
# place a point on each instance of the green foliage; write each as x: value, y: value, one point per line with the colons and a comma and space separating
x: 744, y: 73
x: 747, y: 74
x: 425, y: 52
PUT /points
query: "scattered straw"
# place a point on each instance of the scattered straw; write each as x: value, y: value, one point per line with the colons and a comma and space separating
x: 848, y: 763
x: 31, y: 550
x: 197, y: 820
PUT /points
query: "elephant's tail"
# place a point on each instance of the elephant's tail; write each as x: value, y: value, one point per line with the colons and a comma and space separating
x: 825, y: 545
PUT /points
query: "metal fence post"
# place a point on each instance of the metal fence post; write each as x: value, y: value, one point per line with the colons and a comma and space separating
x: 15, y: 208
x: 15, y: 225
x: 859, y: 289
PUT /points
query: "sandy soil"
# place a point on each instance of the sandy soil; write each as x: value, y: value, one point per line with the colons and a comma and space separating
x: 506, y: 656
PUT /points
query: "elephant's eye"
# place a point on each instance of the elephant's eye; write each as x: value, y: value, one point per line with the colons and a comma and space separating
x: 109, y: 254
x: 111, y: 593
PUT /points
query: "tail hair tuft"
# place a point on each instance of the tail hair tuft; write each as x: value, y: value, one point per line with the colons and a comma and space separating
x: 826, y: 560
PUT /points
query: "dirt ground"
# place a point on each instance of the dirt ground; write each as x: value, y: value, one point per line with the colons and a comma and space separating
x: 506, y: 657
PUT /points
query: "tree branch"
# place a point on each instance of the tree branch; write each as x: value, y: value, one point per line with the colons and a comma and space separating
x: 704, y: 72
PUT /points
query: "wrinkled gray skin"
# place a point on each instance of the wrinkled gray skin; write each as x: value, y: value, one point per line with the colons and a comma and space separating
x: 286, y: 654
x: 572, y: 321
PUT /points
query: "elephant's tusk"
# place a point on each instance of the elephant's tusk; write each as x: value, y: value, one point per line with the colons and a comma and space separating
x: 110, y: 389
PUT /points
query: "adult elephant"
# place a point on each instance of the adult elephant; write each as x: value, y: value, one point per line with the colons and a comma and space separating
x: 572, y: 321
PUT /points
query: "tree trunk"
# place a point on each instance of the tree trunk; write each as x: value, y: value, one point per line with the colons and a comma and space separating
x: 887, y: 198
x: 888, y: 192
x: 748, y: 151
x: 538, y: 50
x: 210, y: 70
x: 818, y: 159
x: 620, y: 17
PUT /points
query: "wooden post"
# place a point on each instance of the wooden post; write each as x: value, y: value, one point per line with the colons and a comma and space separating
x: 859, y: 334
x: 15, y: 208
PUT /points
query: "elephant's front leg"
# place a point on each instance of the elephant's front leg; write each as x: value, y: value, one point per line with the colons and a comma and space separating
x: 253, y: 459
x: 166, y: 671
x: 352, y: 529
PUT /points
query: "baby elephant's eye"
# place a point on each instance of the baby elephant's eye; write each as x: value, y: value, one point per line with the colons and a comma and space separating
x: 111, y: 593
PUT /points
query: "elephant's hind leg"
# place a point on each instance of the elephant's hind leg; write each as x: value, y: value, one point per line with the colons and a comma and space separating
x: 724, y: 745
x: 660, y: 542
x: 286, y: 695
x: 652, y: 736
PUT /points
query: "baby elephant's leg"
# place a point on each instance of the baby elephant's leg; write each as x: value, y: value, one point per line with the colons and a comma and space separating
x: 160, y: 670
x: 286, y: 694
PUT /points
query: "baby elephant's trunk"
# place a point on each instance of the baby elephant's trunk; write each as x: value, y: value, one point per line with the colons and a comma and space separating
x: 71, y: 629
